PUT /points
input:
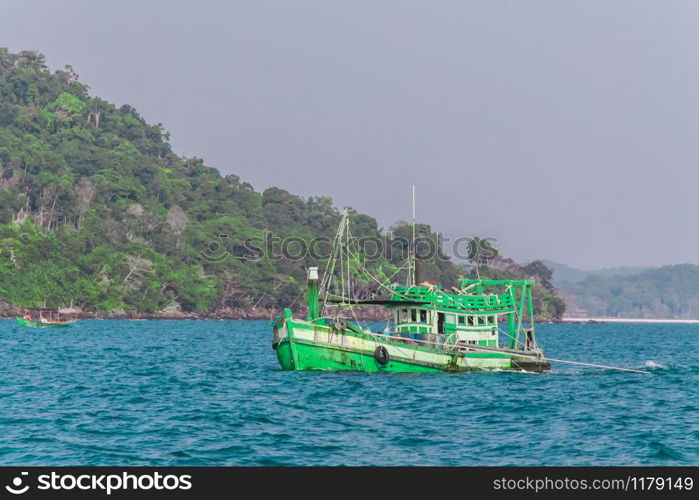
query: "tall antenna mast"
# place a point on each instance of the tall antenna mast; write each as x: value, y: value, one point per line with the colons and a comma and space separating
x: 416, y: 269
x: 413, y: 214
x: 411, y: 261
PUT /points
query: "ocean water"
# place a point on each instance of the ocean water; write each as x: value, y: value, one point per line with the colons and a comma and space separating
x: 212, y: 393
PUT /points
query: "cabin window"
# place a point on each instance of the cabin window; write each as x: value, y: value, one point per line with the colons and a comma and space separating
x: 471, y: 320
x: 404, y: 316
x: 462, y: 319
x: 481, y: 320
x: 491, y: 320
x: 413, y: 315
x: 423, y: 316
x: 450, y: 319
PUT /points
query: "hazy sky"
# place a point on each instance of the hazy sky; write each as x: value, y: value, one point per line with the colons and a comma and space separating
x: 568, y: 130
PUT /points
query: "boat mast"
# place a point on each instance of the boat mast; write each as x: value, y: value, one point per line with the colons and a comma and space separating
x: 335, y: 254
x: 413, y: 265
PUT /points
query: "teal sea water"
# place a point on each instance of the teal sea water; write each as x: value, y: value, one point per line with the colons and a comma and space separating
x: 212, y: 393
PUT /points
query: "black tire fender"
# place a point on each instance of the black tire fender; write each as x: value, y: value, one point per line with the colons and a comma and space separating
x: 381, y: 355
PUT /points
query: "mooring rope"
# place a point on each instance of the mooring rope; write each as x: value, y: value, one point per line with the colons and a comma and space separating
x: 606, y: 367
x: 580, y: 363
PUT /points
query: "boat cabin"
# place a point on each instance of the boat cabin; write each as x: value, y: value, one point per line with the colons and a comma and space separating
x: 424, y: 323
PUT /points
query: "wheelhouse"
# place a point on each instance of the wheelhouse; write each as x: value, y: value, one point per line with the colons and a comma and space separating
x: 421, y: 322
x: 469, y: 315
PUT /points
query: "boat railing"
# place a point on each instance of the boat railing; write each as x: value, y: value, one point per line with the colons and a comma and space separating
x: 442, y: 341
x: 459, y: 346
x: 408, y: 340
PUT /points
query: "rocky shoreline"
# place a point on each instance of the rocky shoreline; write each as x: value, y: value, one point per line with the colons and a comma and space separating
x: 372, y: 313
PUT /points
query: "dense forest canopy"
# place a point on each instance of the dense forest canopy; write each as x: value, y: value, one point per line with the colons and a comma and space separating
x: 566, y: 274
x: 97, y: 210
x: 663, y: 292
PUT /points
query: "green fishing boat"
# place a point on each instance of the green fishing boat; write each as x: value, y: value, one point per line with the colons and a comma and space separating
x: 48, y: 318
x: 480, y: 325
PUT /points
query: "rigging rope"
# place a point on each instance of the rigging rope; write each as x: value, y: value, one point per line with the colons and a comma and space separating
x: 344, y: 229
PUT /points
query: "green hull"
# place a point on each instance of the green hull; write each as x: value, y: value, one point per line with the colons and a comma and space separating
x: 38, y: 324
x: 310, y: 357
x: 302, y: 346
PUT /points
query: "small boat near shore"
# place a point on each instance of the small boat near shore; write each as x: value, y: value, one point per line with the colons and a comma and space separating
x: 48, y: 318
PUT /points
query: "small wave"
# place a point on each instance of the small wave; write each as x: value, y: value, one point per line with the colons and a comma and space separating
x: 506, y: 370
x: 664, y: 452
x: 670, y: 367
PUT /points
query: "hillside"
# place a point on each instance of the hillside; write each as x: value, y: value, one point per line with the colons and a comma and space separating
x: 664, y: 292
x: 563, y: 273
x: 97, y: 210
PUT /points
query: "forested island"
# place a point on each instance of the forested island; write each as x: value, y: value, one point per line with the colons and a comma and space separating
x: 670, y: 292
x: 96, y: 210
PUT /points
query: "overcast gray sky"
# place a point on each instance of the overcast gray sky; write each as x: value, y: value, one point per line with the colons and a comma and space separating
x: 568, y: 130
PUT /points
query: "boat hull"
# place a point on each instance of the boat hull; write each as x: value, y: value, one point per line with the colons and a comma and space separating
x: 303, y: 346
